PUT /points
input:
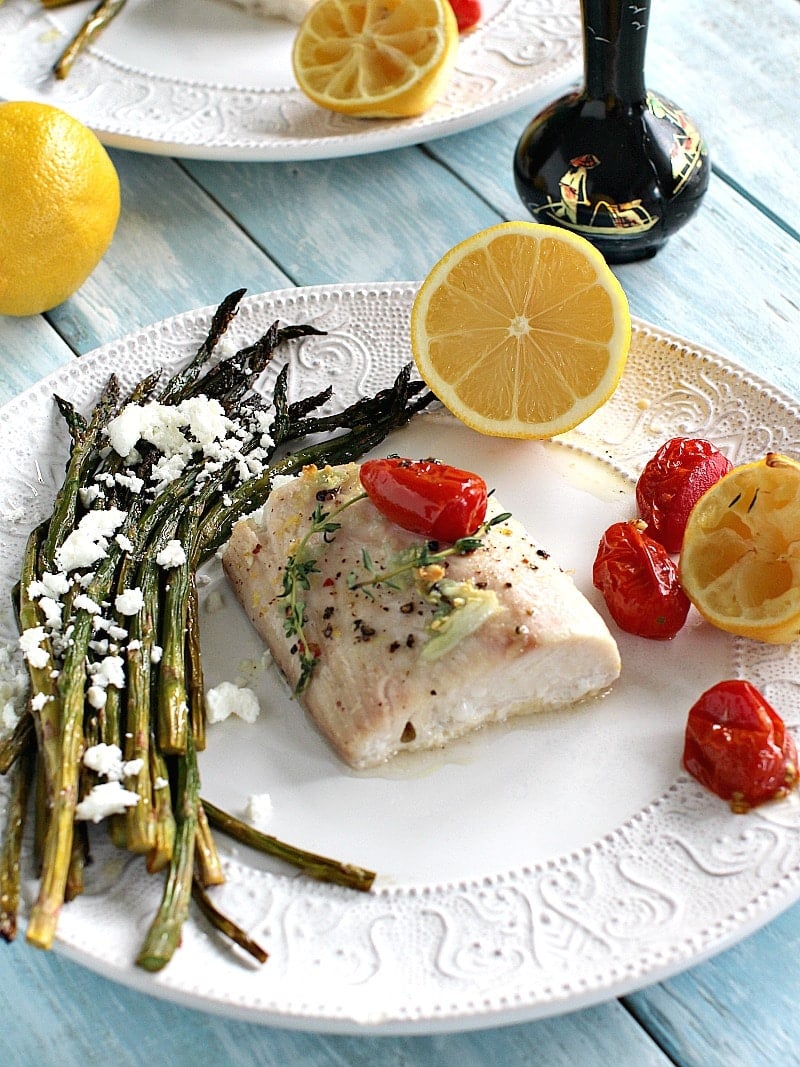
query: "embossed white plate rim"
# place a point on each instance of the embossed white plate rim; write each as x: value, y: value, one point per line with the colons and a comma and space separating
x: 754, y: 883
x: 146, y: 107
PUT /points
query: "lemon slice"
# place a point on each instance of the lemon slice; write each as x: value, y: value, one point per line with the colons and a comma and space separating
x: 376, y: 58
x: 521, y: 330
x: 740, y: 559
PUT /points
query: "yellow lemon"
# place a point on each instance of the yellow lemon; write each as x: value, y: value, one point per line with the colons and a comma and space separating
x: 740, y: 558
x: 376, y: 58
x: 521, y: 330
x: 59, y: 205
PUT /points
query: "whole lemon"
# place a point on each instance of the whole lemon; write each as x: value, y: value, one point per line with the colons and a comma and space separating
x: 59, y: 206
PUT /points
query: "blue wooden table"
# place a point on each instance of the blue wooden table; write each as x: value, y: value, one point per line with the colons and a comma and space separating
x: 192, y: 231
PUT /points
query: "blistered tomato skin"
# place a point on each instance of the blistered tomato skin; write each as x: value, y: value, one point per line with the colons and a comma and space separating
x: 737, y: 746
x: 440, y: 502
x: 467, y: 13
x: 672, y: 482
x: 639, y: 582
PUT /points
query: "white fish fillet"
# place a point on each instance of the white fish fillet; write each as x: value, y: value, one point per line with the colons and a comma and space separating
x: 287, y: 10
x: 375, y: 688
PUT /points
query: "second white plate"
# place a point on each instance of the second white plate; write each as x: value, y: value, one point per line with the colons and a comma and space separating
x: 203, y: 79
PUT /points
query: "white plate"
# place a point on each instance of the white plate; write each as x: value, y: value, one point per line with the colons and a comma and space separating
x: 529, y: 870
x: 202, y: 79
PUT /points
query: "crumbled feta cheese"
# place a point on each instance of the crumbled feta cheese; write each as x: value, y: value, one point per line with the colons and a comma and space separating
x: 106, y: 760
x: 172, y: 428
x: 171, y: 555
x: 49, y: 585
x: 30, y: 642
x: 39, y: 700
x: 109, y: 671
x: 85, y: 603
x: 156, y: 652
x: 51, y: 609
x: 124, y: 542
x: 228, y: 699
x: 160, y: 783
x: 13, y: 687
x: 97, y: 697
x: 107, y: 798
x: 167, y: 470
x: 130, y: 602
x: 130, y: 481
x: 88, y: 542
x: 258, y: 810
x: 89, y: 494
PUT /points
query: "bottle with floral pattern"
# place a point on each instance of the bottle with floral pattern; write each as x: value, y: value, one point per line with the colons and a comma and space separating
x: 613, y: 161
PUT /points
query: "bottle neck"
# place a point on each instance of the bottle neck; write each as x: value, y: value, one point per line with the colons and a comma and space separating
x: 614, y: 40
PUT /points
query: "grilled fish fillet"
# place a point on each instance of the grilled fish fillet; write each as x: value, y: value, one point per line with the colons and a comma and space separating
x: 515, y: 636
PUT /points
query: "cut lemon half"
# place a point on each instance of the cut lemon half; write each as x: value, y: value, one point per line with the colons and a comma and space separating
x: 376, y: 58
x: 521, y: 330
x: 740, y: 558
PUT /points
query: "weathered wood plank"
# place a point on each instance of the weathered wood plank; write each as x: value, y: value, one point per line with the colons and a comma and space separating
x: 64, y: 1014
x: 731, y: 76
x: 174, y: 250
x: 29, y: 349
x: 384, y: 217
x: 737, y: 1010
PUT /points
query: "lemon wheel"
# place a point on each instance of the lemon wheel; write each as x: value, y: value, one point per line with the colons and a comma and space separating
x: 521, y: 330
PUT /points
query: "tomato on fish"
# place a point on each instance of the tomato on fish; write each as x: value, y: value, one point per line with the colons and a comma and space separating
x: 737, y: 746
x: 672, y: 482
x: 639, y: 582
x: 433, y: 499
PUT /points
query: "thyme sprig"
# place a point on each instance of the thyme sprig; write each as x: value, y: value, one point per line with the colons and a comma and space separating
x: 420, y: 558
x: 297, y: 578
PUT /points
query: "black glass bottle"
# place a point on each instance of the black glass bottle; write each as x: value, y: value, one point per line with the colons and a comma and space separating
x: 614, y: 162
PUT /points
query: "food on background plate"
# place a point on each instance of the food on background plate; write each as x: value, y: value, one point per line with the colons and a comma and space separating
x: 376, y: 58
x: 286, y: 10
x: 59, y: 206
x: 737, y: 746
x: 740, y: 559
x: 468, y: 14
x: 521, y: 330
x: 672, y: 482
x: 639, y: 582
x: 396, y: 643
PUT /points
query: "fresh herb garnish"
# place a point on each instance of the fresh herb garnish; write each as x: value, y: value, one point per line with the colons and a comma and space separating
x: 418, y: 559
x: 297, y: 577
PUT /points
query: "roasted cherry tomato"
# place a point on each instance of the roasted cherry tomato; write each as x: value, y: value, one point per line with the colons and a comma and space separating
x: 467, y: 13
x: 440, y: 502
x: 737, y: 746
x: 671, y: 484
x: 639, y: 581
